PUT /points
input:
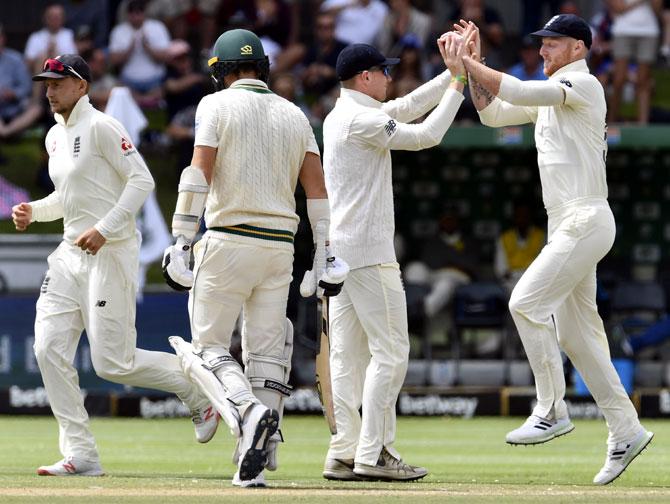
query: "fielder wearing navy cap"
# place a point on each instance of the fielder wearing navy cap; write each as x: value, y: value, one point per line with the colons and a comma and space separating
x: 65, y: 65
x: 566, y: 25
x: 356, y: 58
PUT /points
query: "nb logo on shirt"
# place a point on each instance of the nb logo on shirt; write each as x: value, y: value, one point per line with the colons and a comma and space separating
x: 390, y: 127
x: 101, y: 303
x: 566, y: 82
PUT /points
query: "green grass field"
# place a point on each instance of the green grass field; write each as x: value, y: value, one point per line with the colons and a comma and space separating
x: 159, y: 461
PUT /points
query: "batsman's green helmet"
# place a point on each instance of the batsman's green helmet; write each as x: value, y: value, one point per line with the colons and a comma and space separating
x: 237, y: 45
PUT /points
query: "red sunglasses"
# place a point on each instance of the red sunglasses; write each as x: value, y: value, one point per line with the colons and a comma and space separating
x: 54, y: 65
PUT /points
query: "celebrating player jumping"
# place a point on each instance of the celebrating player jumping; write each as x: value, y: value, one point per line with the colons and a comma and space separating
x: 554, y: 303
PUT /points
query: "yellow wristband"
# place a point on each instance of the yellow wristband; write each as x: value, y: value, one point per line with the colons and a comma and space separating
x: 460, y: 78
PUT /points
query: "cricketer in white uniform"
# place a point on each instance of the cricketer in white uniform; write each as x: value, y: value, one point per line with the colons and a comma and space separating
x: 251, y: 147
x: 554, y: 302
x: 368, y: 320
x: 100, y: 182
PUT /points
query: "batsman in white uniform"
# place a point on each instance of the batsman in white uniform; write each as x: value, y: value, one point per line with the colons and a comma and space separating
x: 100, y: 182
x: 554, y: 303
x: 368, y: 325
x: 251, y: 147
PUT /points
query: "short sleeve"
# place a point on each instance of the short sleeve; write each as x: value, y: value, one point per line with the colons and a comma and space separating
x: 207, y: 119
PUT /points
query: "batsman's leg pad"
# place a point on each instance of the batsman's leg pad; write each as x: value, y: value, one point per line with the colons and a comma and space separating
x: 269, y: 380
x: 197, y: 371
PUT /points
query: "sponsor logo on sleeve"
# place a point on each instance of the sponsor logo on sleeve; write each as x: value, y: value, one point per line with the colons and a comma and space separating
x: 566, y: 82
x: 390, y: 127
x: 127, y: 147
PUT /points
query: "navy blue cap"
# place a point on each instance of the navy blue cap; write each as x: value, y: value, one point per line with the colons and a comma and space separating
x: 65, y: 65
x: 567, y: 25
x: 355, y: 58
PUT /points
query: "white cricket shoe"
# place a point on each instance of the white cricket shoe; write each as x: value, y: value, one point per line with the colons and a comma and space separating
x: 536, y: 430
x: 619, y: 456
x: 205, y: 421
x: 259, y: 424
x: 72, y: 466
x: 340, y: 470
x: 257, y: 482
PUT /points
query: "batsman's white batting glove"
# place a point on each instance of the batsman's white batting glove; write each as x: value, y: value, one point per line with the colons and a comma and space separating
x: 176, y: 262
x: 333, y: 277
x: 331, y: 280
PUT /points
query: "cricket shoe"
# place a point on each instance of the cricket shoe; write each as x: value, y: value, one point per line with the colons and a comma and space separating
x: 72, y: 466
x: 205, y: 421
x: 389, y: 468
x: 259, y: 424
x: 257, y: 482
x: 536, y: 430
x: 340, y: 469
x: 620, y: 455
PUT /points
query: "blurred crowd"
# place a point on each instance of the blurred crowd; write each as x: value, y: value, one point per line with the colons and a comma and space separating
x: 159, y: 49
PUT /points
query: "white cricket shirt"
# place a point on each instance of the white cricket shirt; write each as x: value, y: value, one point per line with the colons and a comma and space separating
x: 262, y: 140
x: 100, y: 179
x: 570, y: 135
x: 358, y: 136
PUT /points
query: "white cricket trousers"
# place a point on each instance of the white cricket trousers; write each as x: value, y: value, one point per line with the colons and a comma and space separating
x: 369, y: 351
x: 96, y: 293
x: 233, y: 277
x: 561, y: 282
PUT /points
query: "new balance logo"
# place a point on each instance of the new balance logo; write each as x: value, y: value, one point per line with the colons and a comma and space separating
x: 390, y: 127
x: 246, y: 50
x: 101, y: 303
x: 75, y: 151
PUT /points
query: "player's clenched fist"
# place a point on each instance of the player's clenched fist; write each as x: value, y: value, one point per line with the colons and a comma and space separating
x: 22, y: 214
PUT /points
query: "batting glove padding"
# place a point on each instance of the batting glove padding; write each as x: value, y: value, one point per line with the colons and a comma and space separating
x: 176, y: 262
x: 331, y: 280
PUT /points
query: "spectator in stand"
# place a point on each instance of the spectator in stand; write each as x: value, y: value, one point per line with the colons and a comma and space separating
x: 357, y: 21
x: 635, y: 36
x: 665, y: 48
x: 278, y: 21
x: 102, y: 81
x: 490, y: 28
x: 518, y: 246
x: 408, y: 74
x: 600, y: 56
x: 449, y: 259
x: 531, y: 66
x: 51, y: 40
x: 15, y: 86
x: 83, y: 39
x: 139, y: 47
x: 93, y: 14
x: 184, y: 86
x: 318, y: 76
x: 401, y: 22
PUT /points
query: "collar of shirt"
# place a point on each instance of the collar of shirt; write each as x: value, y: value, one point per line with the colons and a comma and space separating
x: 575, y: 66
x: 248, y: 82
x: 80, y: 108
x: 360, y: 98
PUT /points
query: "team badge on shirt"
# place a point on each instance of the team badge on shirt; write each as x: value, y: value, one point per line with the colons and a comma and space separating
x: 125, y: 145
x: 390, y: 127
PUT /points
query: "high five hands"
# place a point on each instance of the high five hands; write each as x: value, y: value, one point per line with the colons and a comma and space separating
x: 457, y: 44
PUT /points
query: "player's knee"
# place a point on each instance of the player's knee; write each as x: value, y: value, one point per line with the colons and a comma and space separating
x: 107, y: 369
x: 44, y: 349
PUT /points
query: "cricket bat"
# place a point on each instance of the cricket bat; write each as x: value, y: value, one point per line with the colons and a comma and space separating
x: 323, y: 382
